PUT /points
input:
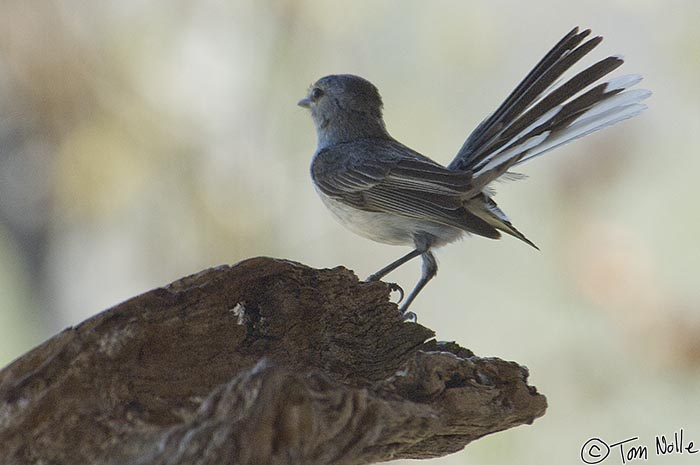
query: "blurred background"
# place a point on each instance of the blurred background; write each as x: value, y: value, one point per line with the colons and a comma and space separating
x: 144, y: 141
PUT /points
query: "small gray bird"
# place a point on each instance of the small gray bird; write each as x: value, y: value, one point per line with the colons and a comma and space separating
x: 383, y: 190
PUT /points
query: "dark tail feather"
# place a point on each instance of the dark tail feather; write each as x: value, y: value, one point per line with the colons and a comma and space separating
x: 546, y: 72
x: 533, y: 121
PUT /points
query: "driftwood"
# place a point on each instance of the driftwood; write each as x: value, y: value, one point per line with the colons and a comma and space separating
x: 264, y: 362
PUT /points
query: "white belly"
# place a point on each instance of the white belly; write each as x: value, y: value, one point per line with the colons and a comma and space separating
x: 389, y: 228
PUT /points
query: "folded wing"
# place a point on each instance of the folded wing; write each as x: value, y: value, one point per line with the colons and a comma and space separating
x: 392, y: 181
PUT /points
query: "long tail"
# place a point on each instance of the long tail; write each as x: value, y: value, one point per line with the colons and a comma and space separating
x: 538, y: 117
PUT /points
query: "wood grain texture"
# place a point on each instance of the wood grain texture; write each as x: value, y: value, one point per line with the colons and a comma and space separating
x: 264, y: 362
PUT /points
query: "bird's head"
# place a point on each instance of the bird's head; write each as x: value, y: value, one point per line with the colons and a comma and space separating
x: 344, y: 107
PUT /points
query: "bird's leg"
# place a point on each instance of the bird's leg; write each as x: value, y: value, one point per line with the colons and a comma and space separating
x: 429, y: 271
x: 393, y: 265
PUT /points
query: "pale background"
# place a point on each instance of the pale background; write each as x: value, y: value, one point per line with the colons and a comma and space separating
x: 144, y: 141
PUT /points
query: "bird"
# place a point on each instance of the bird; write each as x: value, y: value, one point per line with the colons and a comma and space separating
x: 383, y: 190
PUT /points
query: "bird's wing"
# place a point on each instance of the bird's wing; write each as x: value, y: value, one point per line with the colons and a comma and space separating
x: 536, y: 118
x: 391, y: 178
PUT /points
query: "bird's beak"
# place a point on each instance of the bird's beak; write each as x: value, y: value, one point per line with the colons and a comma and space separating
x: 305, y: 102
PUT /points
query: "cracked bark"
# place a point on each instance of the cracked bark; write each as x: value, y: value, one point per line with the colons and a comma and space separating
x: 264, y: 362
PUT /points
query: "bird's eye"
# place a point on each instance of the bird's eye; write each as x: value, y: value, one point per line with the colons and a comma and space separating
x: 316, y: 94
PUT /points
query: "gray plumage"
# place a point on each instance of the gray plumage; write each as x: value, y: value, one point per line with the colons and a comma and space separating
x: 387, y: 192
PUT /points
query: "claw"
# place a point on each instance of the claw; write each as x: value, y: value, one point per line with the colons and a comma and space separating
x: 399, y: 289
x: 410, y: 316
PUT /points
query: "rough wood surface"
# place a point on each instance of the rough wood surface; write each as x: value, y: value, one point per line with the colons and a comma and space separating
x: 264, y: 362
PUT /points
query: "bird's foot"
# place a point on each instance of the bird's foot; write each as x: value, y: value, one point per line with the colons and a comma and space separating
x: 395, y: 287
x: 392, y: 286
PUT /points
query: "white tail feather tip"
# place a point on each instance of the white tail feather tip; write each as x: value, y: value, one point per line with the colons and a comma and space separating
x: 616, y: 101
x: 623, y: 82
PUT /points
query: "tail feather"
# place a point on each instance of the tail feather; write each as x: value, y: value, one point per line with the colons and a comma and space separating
x: 557, y: 97
x: 539, y: 116
x: 535, y: 83
x: 586, y: 125
x: 597, y: 108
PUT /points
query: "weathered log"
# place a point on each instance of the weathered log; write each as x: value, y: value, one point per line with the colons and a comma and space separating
x: 264, y: 362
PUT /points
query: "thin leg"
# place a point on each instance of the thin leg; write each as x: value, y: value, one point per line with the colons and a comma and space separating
x: 393, y: 265
x: 429, y: 271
